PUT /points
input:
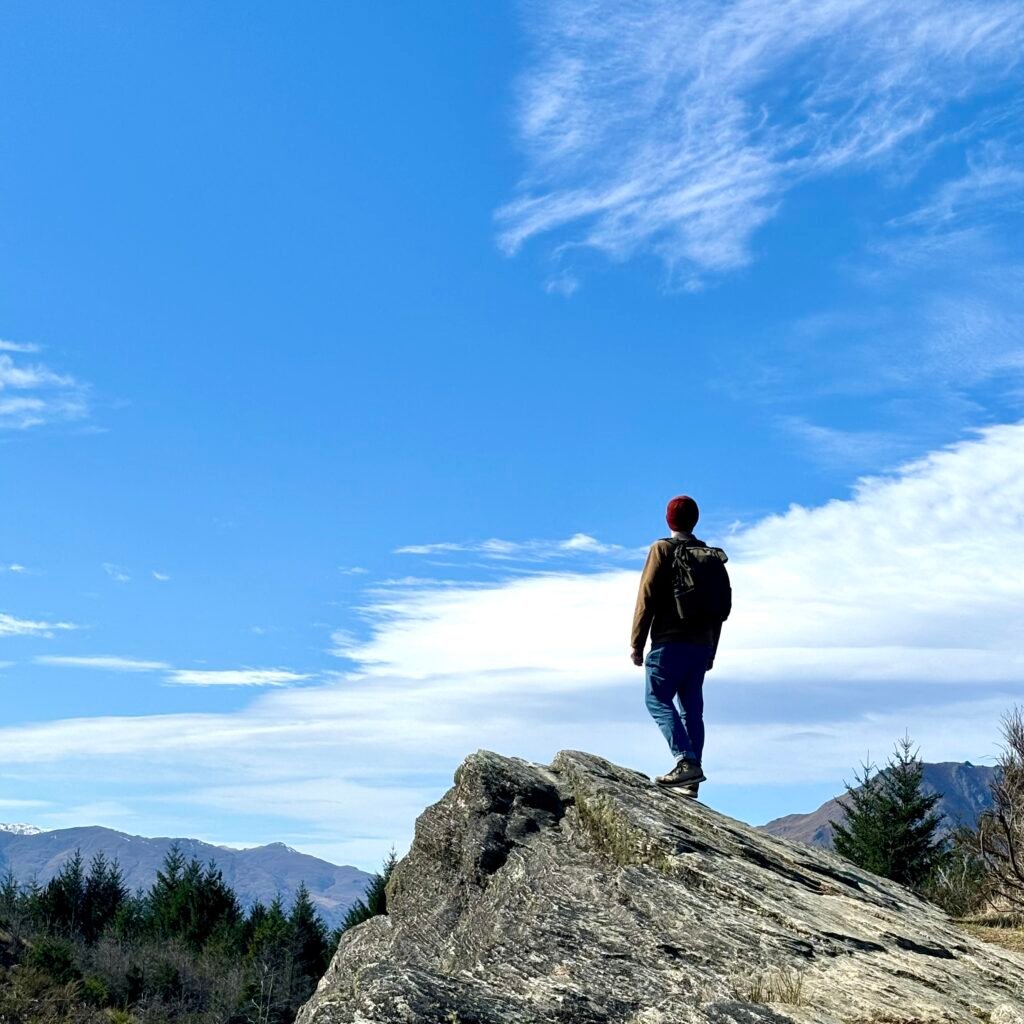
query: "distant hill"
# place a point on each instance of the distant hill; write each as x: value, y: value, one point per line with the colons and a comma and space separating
x: 255, y: 874
x: 965, y: 790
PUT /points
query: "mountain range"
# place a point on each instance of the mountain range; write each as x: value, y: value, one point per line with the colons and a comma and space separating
x: 964, y: 788
x: 262, y: 872
x: 256, y: 874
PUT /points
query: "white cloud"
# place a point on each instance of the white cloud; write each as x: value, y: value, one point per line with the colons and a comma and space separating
x: 235, y: 677
x: 117, y: 574
x: 11, y: 626
x: 33, y: 394
x: 24, y: 378
x: 177, y: 676
x: 160, y: 577
x: 343, y: 642
x: 896, y: 608
x: 994, y: 178
x: 679, y: 128
x: 837, y: 447
x: 107, y: 662
x: 15, y: 567
x: 352, y: 570
x: 526, y: 551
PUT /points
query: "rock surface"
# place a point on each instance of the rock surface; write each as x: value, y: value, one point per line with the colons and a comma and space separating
x: 580, y: 893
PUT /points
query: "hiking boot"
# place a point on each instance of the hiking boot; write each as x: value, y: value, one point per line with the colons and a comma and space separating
x: 685, y: 773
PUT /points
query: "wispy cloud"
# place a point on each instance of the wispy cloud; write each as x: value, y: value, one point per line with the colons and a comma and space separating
x: 352, y: 570
x: 926, y: 343
x: 16, y: 567
x: 678, y: 129
x: 838, y: 447
x: 178, y: 676
x: 343, y: 643
x: 32, y: 394
x: 235, y: 677
x: 106, y: 662
x: 160, y: 577
x: 11, y: 626
x: 117, y: 574
x: 528, y: 550
x: 994, y: 180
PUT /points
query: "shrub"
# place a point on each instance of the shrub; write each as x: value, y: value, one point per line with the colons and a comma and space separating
x: 1000, y: 842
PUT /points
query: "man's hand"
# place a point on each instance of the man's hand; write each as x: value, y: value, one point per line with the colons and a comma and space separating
x: 637, y: 657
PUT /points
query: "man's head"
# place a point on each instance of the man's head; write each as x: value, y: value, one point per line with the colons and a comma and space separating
x: 682, y: 514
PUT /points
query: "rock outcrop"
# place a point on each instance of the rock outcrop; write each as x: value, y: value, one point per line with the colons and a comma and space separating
x: 581, y: 894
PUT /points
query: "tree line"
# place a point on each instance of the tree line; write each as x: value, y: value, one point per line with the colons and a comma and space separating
x: 83, y: 948
x: 891, y: 827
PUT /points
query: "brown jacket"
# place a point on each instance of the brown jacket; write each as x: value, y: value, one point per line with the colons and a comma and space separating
x: 656, y: 606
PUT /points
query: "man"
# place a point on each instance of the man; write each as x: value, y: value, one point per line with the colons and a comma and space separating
x: 682, y: 650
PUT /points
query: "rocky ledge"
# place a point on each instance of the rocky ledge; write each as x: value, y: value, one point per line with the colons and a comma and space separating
x: 580, y: 893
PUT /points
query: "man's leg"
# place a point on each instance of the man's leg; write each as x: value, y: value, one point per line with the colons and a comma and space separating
x: 690, y: 691
x: 662, y: 687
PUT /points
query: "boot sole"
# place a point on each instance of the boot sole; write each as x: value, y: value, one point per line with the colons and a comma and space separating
x: 676, y: 783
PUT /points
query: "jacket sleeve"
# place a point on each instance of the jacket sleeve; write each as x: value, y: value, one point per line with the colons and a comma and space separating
x: 643, y: 616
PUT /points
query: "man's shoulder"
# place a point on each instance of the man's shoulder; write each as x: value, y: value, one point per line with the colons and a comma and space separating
x: 663, y: 547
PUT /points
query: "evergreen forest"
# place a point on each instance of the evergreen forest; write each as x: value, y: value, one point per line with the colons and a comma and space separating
x: 83, y: 948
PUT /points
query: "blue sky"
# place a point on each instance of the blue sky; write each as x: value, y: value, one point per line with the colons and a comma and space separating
x: 352, y: 351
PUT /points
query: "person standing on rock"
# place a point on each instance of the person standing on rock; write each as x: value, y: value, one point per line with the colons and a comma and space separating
x: 684, y: 598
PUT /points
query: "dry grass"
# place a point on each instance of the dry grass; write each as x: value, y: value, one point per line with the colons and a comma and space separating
x: 1008, y: 938
x: 613, y: 834
x: 784, y: 986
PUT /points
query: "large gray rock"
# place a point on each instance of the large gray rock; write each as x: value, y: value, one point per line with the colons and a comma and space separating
x: 581, y: 893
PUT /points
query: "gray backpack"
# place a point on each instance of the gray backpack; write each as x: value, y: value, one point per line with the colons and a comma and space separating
x: 700, y: 583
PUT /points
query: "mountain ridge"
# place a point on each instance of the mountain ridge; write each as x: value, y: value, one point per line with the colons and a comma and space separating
x: 964, y: 790
x: 256, y: 873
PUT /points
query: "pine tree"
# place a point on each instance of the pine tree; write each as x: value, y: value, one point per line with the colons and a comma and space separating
x: 374, y: 902
x: 62, y: 898
x: 192, y: 904
x: 16, y: 909
x: 890, y: 827
x: 103, y: 895
x: 10, y: 897
x: 310, y: 949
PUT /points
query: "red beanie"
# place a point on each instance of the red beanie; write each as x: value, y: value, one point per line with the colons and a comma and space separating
x: 682, y: 514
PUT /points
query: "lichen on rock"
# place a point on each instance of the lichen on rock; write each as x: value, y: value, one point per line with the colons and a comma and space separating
x: 580, y: 893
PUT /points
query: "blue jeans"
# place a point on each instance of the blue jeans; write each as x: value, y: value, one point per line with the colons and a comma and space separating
x: 676, y: 671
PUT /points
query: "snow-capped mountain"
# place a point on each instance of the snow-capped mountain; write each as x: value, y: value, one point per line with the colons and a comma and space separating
x: 20, y: 829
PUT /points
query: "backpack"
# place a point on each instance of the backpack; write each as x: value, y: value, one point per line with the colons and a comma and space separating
x: 700, y: 583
